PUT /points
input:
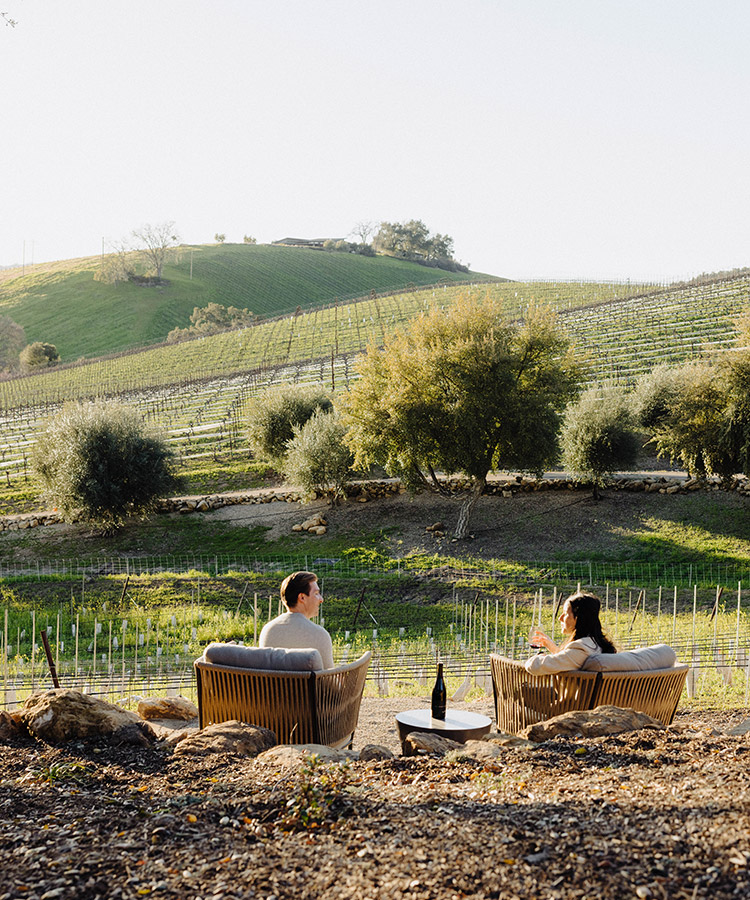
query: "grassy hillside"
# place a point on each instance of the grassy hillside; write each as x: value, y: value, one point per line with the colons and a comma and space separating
x: 64, y: 303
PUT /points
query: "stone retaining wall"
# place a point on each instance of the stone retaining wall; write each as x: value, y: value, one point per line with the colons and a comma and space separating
x: 363, y: 492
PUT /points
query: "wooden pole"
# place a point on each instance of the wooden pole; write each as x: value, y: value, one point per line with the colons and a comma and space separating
x: 50, y: 661
x: 33, y: 646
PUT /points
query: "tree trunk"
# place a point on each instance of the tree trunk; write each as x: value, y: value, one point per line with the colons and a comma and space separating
x: 467, y: 508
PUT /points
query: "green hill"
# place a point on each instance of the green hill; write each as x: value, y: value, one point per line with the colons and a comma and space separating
x: 64, y: 303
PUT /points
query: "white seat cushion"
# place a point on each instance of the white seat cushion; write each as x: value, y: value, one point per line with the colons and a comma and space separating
x: 660, y: 656
x: 273, y: 658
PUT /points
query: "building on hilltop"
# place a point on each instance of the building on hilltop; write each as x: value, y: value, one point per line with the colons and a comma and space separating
x: 310, y: 243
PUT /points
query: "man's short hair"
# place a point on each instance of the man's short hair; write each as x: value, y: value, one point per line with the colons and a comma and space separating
x: 295, y: 584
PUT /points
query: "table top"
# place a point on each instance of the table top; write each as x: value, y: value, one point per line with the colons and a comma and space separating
x: 455, y: 720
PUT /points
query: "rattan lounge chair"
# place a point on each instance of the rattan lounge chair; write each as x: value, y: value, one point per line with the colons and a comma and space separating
x: 523, y: 699
x: 299, y: 707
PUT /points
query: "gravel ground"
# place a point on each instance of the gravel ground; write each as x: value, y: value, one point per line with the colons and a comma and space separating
x: 662, y: 814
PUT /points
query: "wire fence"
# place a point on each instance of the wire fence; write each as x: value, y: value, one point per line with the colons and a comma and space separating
x: 369, y: 565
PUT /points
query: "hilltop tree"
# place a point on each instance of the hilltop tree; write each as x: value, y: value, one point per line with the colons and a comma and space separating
x: 413, y: 241
x: 156, y: 241
x: 39, y: 355
x: 98, y: 462
x: 219, y: 237
x: 403, y: 239
x: 12, y: 340
x: 364, y: 231
x: 462, y: 391
x: 598, y: 436
x: 249, y: 239
x: 117, y: 265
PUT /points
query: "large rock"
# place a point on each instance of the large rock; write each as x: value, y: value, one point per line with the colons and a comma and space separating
x: 227, y: 737
x: 482, y: 751
x: 172, y: 731
x: 291, y: 756
x: 10, y: 726
x: 374, y: 752
x: 507, y: 740
x: 167, y: 708
x: 429, y: 743
x: 62, y: 715
x: 742, y: 728
x: 591, y: 723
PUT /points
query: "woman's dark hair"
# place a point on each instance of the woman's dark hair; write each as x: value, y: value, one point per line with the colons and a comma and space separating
x: 585, y: 607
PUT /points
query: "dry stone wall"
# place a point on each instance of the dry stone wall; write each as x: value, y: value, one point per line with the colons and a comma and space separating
x: 366, y: 491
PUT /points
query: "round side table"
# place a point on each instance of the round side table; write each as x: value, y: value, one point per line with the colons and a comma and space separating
x: 458, y: 725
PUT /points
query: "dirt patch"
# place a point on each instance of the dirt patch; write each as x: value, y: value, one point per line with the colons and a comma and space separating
x: 645, y: 814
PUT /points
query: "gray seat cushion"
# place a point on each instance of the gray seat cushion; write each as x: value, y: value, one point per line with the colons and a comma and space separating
x: 660, y: 656
x: 273, y: 658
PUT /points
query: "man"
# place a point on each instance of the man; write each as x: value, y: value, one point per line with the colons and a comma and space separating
x: 293, y: 629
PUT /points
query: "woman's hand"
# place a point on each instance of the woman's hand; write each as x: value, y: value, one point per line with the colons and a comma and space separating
x: 537, y: 638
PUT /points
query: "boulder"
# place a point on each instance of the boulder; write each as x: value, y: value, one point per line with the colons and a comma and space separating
x: 507, y: 740
x: 597, y: 722
x: 482, y: 751
x: 742, y: 728
x: 373, y: 752
x: 227, y: 737
x: 290, y: 756
x: 10, y: 726
x: 172, y: 731
x: 63, y: 714
x: 429, y: 743
x: 167, y: 708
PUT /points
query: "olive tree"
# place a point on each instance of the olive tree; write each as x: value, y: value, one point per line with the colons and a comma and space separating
x: 687, y: 410
x: 318, y: 458
x: 274, y: 415
x: 98, y: 463
x: 598, y: 436
x: 462, y: 391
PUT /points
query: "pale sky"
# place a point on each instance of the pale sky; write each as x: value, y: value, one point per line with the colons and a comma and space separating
x: 549, y: 138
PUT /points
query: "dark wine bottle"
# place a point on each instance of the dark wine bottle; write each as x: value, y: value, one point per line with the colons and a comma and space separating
x: 439, y: 695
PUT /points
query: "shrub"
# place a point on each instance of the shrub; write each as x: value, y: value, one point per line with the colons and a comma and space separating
x: 598, y: 437
x: 98, y: 463
x: 317, y: 458
x: 274, y: 416
x: 654, y: 396
x: 38, y: 355
x: 694, y: 422
x: 12, y: 341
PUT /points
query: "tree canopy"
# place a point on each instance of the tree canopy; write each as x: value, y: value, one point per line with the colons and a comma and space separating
x: 38, y: 355
x: 155, y: 242
x: 412, y: 240
x: 274, y: 415
x: 98, y: 462
x: 212, y: 319
x: 12, y: 340
x: 598, y: 437
x: 462, y: 391
x: 318, y: 458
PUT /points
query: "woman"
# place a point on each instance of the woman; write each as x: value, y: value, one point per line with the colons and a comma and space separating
x: 583, y: 637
